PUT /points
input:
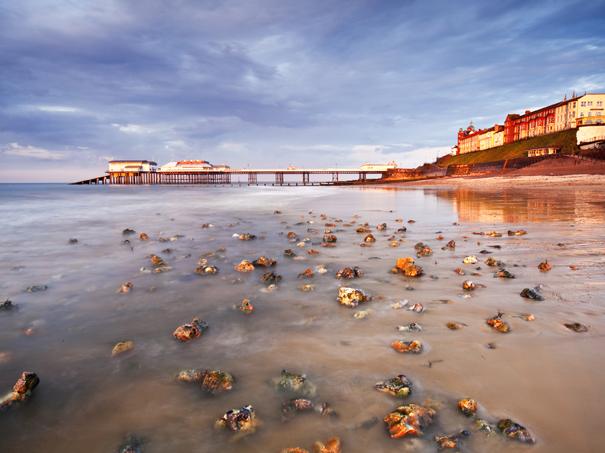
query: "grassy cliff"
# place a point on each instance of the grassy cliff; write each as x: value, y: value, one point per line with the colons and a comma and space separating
x: 566, y: 140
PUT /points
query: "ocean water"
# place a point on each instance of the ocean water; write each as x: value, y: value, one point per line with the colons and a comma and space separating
x: 541, y: 374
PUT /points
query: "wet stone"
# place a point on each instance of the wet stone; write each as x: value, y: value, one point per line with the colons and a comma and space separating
x: 131, y: 445
x: 122, y: 347
x: 369, y: 239
x: 451, y: 441
x: 497, y: 323
x: 399, y: 386
x: 414, y: 346
x: 36, y: 288
x: 471, y: 259
x: 238, y: 420
x: 517, y: 232
x: 144, y: 237
x: 468, y: 285
x: 329, y: 238
x: 349, y: 273
x: 294, y: 384
x: 246, y: 307
x: 411, y: 327
x: 407, y: 267
x: 467, y: 406
x: 270, y: 278
x: 263, y: 261
x: 128, y: 231
x: 22, y: 390
x: 422, y: 250
x: 451, y: 245
x: 244, y: 266
x: 532, y: 294
x: 72, y: 241
x: 503, y: 273
x: 210, y: 381
x: 7, y: 305
x: 576, y: 327
x: 351, y: 297
x: 544, y: 266
x: 191, y: 330
x: 289, y: 253
x: 515, y: 431
x: 125, y: 288
x: 307, y: 273
x: 409, y: 420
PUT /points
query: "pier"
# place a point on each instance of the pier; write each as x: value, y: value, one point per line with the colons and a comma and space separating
x: 225, y: 177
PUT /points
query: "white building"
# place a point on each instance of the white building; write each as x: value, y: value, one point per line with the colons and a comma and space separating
x: 590, y: 110
x: 131, y: 166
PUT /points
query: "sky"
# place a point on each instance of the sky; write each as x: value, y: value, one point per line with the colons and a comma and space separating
x: 276, y: 82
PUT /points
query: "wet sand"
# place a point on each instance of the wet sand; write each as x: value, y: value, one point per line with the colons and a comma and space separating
x: 541, y: 374
x: 543, y: 182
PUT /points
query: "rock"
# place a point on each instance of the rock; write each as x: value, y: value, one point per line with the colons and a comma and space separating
x: 204, y: 268
x: 468, y: 285
x: 576, y: 327
x: 532, y: 293
x: 72, y: 241
x: 517, y: 232
x: 329, y: 238
x: 294, y: 384
x: 36, y: 288
x: 125, y: 288
x: 351, y: 297
x: 289, y: 253
x: 411, y: 327
x: 331, y: 446
x: 312, y: 252
x: 414, y: 346
x: 459, y: 271
x: 515, y: 431
x: 238, y: 420
x: 492, y: 262
x: 498, y: 324
x: 245, y: 236
x: 451, y: 245
x: 362, y: 314
x: 503, y: 273
x: 244, y: 266
x: 297, y: 405
x: 398, y: 386
x: 321, y: 269
x: 158, y: 264
x: 131, y: 445
x: 210, y: 381
x: 544, y: 266
x: 246, y: 307
x: 363, y: 229
x: 451, y: 441
x: 526, y: 316
x: 416, y: 308
x: 122, y: 347
x: 263, y: 261
x: 422, y: 250
x: 292, y: 236
x: 369, y: 239
x: 467, y: 406
x: 381, y: 227
x: 7, y: 305
x: 408, y: 420
x: 407, y: 267
x: 349, y: 273
x: 270, y: 278
x: 190, y: 331
x: 306, y: 288
x: 22, y: 390
x: 144, y: 237
x: 307, y: 273
x: 128, y: 231
x: 493, y: 234
x: 471, y: 259
x: 452, y: 325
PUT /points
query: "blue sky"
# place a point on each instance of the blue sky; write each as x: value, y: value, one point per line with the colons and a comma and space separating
x: 276, y: 82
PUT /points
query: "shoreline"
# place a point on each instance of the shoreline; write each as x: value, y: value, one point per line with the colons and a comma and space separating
x: 508, y: 181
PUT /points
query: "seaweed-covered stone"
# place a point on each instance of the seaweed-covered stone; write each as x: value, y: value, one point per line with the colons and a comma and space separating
x: 399, y: 386
x: 241, y: 420
x: 244, y: 266
x: 270, y: 278
x: 532, y: 293
x: 191, y: 330
x: 497, y: 323
x: 263, y: 261
x: 422, y: 249
x: 294, y: 384
x: 451, y: 441
x: 407, y: 267
x: 515, y: 431
x: 22, y: 390
x: 467, y: 406
x: 349, y: 273
x: 414, y: 346
x: 210, y: 381
x: 351, y: 297
x: 409, y: 420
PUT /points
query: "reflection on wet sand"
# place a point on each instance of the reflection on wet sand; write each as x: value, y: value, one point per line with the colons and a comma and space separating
x: 520, y: 206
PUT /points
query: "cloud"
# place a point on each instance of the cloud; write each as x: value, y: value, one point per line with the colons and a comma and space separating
x: 32, y: 152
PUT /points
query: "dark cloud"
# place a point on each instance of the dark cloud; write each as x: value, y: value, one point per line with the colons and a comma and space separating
x: 261, y: 81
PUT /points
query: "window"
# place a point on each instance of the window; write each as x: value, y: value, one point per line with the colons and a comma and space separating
x: 599, y: 103
x: 589, y: 103
x: 583, y: 104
